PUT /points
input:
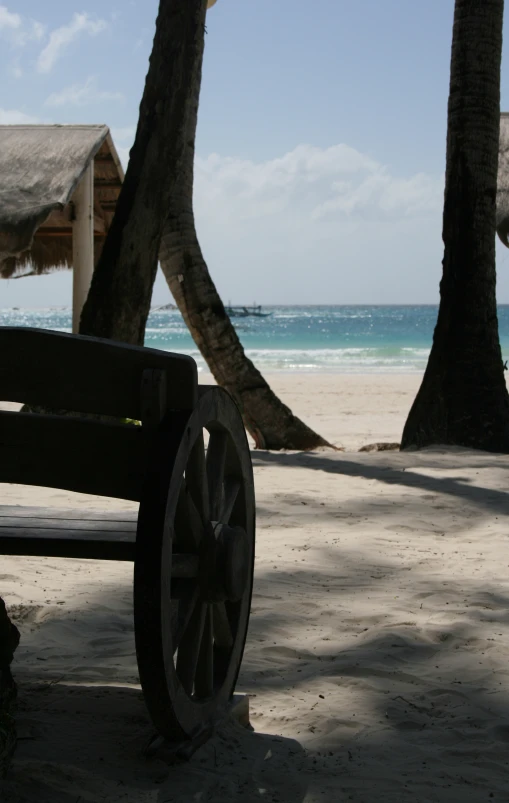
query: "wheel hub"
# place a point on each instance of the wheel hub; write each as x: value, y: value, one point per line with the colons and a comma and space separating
x: 224, y: 563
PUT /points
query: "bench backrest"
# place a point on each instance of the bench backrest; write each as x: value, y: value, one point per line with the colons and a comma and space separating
x: 86, y: 375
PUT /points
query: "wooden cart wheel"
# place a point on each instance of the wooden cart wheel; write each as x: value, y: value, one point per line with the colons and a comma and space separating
x: 193, y: 571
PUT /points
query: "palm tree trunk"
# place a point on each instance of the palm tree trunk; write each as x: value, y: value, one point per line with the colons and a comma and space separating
x: 118, y: 302
x: 156, y: 198
x: 463, y: 398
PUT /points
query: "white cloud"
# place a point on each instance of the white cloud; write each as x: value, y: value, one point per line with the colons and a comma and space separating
x: 81, y: 95
x: 9, y: 19
x: 62, y: 37
x: 317, y: 225
x: 33, y: 32
x: 380, y: 192
x: 314, y: 183
x: 38, y: 29
x: 18, y: 30
x: 16, y: 117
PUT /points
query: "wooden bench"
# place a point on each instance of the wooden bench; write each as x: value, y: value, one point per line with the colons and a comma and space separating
x: 188, y: 465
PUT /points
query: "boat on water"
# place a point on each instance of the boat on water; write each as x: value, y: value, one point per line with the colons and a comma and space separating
x: 245, y: 312
x: 164, y: 307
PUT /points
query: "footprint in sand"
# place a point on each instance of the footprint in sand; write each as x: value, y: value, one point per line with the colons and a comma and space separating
x: 398, y: 527
x: 26, y: 614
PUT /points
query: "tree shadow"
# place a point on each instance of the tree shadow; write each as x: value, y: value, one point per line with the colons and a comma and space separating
x: 378, y: 679
x: 404, y: 472
x: 84, y: 730
x: 397, y: 705
x: 390, y: 707
x: 87, y: 743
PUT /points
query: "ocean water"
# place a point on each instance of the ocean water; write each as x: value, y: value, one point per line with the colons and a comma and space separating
x: 330, y: 339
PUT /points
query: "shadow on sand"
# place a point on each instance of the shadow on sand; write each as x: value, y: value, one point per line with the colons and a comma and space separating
x: 402, y: 709
x: 402, y: 468
x: 86, y: 743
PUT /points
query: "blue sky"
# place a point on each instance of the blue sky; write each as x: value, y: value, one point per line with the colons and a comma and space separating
x: 321, y: 136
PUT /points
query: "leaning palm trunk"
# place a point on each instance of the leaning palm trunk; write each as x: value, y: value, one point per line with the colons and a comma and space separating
x: 463, y: 398
x: 270, y: 422
x: 156, y: 198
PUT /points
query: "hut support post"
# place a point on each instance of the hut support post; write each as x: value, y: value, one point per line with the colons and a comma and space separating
x: 82, y: 244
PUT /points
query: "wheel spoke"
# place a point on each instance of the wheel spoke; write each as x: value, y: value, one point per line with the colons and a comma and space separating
x: 216, y: 457
x: 196, y: 478
x: 231, y: 491
x: 189, y: 647
x: 222, y: 631
x: 185, y: 606
x: 188, y: 522
x: 204, y: 679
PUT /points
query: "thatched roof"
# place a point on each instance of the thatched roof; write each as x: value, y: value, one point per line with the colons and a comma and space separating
x: 41, y: 166
x: 503, y: 180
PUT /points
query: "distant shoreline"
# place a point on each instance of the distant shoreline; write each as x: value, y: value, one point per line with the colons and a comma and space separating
x: 173, y: 307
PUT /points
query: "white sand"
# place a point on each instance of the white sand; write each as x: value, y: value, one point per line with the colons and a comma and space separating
x: 378, y: 648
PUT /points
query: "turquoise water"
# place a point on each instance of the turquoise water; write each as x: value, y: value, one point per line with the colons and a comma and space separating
x: 335, y: 339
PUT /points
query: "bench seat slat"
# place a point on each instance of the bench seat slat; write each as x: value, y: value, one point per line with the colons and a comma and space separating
x: 65, y: 514
x: 67, y: 533
x: 91, y: 526
x: 79, y: 534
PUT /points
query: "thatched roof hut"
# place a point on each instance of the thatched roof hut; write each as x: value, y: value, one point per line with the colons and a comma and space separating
x: 41, y: 167
x: 59, y: 189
